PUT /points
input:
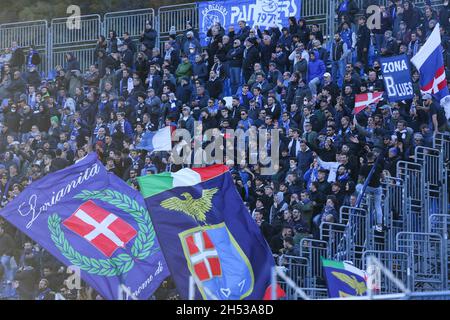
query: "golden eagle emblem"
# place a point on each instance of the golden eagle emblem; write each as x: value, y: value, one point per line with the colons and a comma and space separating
x: 359, y: 286
x: 195, y: 208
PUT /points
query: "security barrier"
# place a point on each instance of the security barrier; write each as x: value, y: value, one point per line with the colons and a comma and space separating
x: 393, y: 209
x: 319, y: 12
x: 412, y: 175
x: 426, y: 260
x: 442, y: 143
x: 55, y: 39
x: 440, y: 224
x: 297, y: 269
x: 30, y: 33
x: 396, y: 262
x: 313, y: 250
x: 353, y: 242
x: 89, y: 31
x: 84, y: 55
x: 132, y: 21
x: 175, y: 16
x: 332, y: 233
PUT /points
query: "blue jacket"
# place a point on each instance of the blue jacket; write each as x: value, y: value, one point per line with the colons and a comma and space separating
x: 128, y: 129
x: 316, y: 68
x: 304, y: 160
x: 310, y: 176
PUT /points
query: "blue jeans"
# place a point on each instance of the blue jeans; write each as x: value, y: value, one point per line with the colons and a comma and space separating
x: 338, y: 71
x: 378, y: 42
x: 313, y: 84
x: 376, y: 193
x: 226, y: 88
x: 235, y: 79
x: 6, y: 264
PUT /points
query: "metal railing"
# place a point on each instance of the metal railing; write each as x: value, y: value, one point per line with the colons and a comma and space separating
x: 396, y: 262
x: 314, y: 250
x: 440, y: 224
x: 332, y: 233
x: 353, y: 243
x: 412, y: 175
x: 54, y: 40
x: 442, y: 143
x: 297, y: 269
x: 426, y: 260
x: 132, y: 21
x: 29, y: 33
x: 175, y: 16
x: 393, y: 209
x: 85, y: 56
x: 89, y: 31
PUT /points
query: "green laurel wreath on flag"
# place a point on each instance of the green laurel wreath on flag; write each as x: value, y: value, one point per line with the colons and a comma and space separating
x: 124, y: 262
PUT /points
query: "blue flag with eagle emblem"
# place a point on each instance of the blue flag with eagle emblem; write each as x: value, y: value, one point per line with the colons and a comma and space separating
x: 206, y: 232
x: 343, y: 279
x: 90, y: 219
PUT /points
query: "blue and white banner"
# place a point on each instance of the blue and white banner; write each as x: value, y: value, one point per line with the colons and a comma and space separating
x: 397, y: 78
x: 263, y: 13
x: 160, y: 140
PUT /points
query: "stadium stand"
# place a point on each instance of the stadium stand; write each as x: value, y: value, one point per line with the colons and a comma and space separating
x: 348, y: 186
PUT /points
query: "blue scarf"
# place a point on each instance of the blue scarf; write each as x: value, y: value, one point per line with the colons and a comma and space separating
x: 344, y: 6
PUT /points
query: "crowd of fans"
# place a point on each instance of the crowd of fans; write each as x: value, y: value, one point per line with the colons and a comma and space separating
x: 287, y: 79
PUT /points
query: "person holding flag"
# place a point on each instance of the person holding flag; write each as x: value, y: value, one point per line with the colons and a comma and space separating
x: 430, y: 63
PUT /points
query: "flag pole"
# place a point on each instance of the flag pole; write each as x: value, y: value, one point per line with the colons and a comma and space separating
x: 273, y: 293
x: 191, y: 288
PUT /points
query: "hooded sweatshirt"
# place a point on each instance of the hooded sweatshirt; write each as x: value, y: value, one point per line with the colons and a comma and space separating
x: 316, y: 68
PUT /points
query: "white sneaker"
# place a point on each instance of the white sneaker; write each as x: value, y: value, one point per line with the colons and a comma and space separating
x: 378, y: 228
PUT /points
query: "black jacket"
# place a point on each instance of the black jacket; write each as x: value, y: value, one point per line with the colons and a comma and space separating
x: 214, y: 88
x: 7, y: 245
x: 251, y: 57
x: 149, y: 38
x: 235, y: 56
x: 58, y: 164
x: 363, y: 37
x: 17, y: 58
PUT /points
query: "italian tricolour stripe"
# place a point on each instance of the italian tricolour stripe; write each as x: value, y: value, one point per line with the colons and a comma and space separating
x: 430, y: 63
x: 182, y: 178
x: 343, y: 266
x: 365, y: 99
x: 343, y: 279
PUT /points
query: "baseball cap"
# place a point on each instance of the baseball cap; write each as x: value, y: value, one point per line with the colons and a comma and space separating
x: 426, y: 96
x: 418, y: 136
